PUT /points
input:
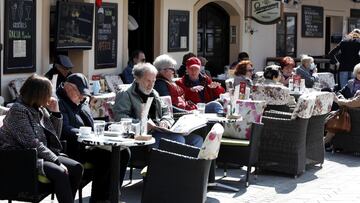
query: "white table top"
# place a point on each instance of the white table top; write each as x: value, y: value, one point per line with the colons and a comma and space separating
x: 113, y: 141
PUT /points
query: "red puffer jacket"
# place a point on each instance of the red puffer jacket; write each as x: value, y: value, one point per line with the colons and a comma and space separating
x: 210, y: 94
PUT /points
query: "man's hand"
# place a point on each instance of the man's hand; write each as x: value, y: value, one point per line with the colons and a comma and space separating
x: 214, y: 84
x: 164, y: 124
x: 197, y: 88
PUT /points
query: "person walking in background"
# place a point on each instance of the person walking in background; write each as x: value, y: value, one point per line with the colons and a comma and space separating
x: 137, y: 56
x: 346, y: 54
x: 62, y: 67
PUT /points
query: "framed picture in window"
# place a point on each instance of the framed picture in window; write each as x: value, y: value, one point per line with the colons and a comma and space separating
x: 178, y: 30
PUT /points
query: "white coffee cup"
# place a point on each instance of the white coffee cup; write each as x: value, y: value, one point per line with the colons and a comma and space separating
x: 115, y: 128
x: 85, y: 131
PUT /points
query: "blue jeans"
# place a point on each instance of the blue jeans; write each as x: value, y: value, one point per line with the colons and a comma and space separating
x: 191, y: 139
x: 344, y: 76
x: 214, y: 107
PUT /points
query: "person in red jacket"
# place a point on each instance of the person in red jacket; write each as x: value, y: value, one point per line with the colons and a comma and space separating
x: 200, y: 88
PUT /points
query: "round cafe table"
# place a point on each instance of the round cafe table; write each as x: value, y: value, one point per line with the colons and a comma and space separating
x: 115, y: 143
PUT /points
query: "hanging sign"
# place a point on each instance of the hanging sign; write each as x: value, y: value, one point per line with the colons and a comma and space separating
x: 264, y: 11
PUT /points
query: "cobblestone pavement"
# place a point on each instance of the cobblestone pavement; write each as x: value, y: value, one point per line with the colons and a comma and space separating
x: 337, y: 181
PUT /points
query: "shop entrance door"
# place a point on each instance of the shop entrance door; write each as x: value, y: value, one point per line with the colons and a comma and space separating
x: 213, y: 37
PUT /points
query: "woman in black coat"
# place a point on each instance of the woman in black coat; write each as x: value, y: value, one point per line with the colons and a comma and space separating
x: 29, y: 124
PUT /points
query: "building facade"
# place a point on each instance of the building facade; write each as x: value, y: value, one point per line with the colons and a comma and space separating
x: 216, y: 29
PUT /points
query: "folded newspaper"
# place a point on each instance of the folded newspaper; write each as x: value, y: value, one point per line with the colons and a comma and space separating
x: 184, y: 125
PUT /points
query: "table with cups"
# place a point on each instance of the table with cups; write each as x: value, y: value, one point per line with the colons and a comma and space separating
x: 115, y: 141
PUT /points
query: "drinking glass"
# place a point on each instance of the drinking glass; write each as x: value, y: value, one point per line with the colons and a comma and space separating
x: 99, y: 128
x: 126, y: 123
x: 201, y: 107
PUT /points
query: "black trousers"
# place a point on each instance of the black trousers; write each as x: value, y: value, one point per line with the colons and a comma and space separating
x: 65, y: 185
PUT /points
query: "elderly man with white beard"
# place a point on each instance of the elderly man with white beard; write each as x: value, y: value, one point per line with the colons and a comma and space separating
x: 128, y: 104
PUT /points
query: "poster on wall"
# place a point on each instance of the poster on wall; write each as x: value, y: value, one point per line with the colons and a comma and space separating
x: 178, y: 31
x: 312, y: 21
x: 106, y: 36
x: 264, y: 11
x: 20, y: 36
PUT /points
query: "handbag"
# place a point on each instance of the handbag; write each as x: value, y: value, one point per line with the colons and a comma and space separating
x: 339, y: 121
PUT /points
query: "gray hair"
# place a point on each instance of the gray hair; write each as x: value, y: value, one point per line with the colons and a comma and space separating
x: 306, y: 58
x: 140, y: 69
x: 356, y: 69
x: 164, y: 61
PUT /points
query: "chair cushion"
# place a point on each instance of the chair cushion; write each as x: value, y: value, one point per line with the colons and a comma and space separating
x: 211, y: 145
x: 43, y: 179
x: 235, y: 142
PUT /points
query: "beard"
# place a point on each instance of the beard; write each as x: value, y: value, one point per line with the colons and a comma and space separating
x: 144, y: 90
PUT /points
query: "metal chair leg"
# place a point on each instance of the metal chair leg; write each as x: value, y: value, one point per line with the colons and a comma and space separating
x: 52, y: 196
x: 225, y: 169
x: 80, y: 195
x: 131, y: 175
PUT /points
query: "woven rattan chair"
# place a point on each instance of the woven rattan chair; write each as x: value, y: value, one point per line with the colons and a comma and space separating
x: 282, y: 145
x: 243, y: 152
x: 175, y: 174
x: 349, y: 142
x: 19, y: 178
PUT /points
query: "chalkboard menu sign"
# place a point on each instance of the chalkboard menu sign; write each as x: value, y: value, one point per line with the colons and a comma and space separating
x: 178, y: 31
x: 353, y: 23
x: 106, y: 36
x: 20, y: 36
x: 74, y: 25
x: 312, y: 21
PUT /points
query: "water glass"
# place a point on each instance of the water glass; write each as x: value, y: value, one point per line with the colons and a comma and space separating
x: 99, y: 128
x: 201, y: 107
x: 126, y: 123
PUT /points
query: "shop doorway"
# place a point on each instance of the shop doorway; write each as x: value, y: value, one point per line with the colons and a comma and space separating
x: 143, y: 37
x: 213, y: 37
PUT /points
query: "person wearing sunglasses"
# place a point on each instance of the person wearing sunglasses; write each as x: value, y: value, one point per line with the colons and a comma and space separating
x: 137, y: 56
x: 243, y: 73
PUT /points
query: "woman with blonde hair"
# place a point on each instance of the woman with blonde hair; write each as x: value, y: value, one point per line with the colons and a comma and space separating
x: 346, y: 54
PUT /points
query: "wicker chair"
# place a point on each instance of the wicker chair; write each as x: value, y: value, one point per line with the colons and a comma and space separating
x: 243, y: 152
x: 282, y: 145
x: 349, y: 142
x: 175, y: 174
x: 19, y: 184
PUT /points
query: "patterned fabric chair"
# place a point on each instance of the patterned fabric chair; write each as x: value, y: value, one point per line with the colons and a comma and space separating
x: 14, y: 87
x: 113, y: 82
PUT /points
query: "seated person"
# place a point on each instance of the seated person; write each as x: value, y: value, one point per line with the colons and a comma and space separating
x: 243, y: 73
x: 287, y: 69
x: 241, y: 57
x: 352, y: 103
x: 128, y: 104
x: 352, y: 86
x: 137, y: 56
x: 182, y: 69
x: 34, y: 121
x: 62, y: 67
x: 203, y: 71
x: 272, y: 75
x: 76, y: 113
x: 199, y: 88
x: 308, y: 71
x: 165, y: 85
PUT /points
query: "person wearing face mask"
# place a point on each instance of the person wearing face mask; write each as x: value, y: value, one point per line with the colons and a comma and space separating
x: 76, y: 113
x: 307, y: 70
x: 129, y: 102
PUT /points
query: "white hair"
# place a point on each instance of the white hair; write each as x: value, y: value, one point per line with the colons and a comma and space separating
x: 140, y: 69
x: 164, y: 61
x: 306, y: 58
x: 356, y: 69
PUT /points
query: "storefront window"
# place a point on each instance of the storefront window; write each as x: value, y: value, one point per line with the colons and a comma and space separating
x: 286, y: 35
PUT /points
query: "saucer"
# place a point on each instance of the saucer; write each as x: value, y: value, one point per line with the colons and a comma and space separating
x: 112, y: 133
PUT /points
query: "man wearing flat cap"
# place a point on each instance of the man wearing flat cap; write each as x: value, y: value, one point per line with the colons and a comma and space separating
x: 62, y: 67
x: 75, y: 109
